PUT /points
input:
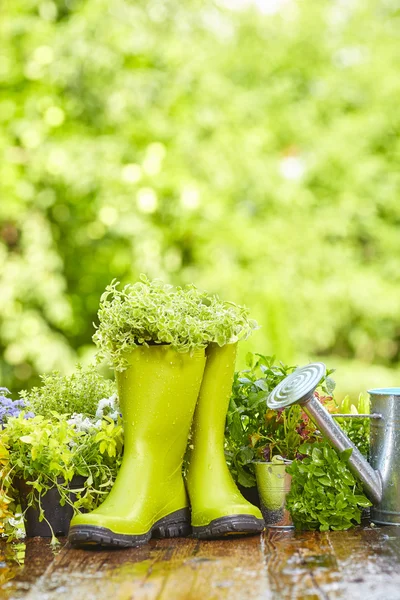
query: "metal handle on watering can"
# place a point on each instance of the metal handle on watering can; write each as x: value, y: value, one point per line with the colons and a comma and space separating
x: 357, y: 416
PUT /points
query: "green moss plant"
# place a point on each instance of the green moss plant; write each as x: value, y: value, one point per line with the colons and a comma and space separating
x: 151, y: 312
x: 76, y: 393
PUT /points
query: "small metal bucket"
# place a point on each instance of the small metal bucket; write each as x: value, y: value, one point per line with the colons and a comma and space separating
x: 273, y: 484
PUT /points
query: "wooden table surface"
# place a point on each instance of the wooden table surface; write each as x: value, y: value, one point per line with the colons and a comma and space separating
x: 362, y: 563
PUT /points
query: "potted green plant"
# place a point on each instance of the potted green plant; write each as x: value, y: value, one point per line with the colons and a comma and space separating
x: 255, y: 433
x: 59, y: 463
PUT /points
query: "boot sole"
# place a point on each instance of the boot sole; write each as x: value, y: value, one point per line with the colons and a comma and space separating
x: 230, y: 525
x: 176, y: 524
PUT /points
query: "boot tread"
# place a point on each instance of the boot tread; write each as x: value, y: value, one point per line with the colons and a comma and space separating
x: 176, y: 524
x: 229, y: 525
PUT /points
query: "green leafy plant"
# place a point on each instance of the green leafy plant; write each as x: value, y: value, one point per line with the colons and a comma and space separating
x: 76, y: 393
x: 357, y: 429
x: 254, y: 432
x: 324, y: 494
x: 151, y: 312
x: 97, y: 457
x: 77, y: 430
x: 48, y: 452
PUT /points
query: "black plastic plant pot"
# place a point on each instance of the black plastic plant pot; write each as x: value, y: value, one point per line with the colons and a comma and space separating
x: 58, y: 516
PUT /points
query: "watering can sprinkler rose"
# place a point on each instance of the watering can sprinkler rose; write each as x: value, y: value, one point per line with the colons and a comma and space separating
x: 173, y: 351
x: 380, y: 478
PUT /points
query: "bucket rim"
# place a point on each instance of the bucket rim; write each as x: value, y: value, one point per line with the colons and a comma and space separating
x: 392, y: 391
x: 285, y: 461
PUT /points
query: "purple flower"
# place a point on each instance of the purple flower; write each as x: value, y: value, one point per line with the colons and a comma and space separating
x: 267, y: 453
x: 11, y: 408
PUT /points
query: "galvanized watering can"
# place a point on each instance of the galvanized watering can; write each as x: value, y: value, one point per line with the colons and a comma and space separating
x: 380, y: 477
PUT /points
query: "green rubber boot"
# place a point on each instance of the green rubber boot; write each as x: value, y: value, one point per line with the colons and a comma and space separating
x: 157, y: 393
x: 218, y: 508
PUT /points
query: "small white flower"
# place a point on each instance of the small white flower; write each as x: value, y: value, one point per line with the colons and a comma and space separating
x: 109, y: 407
x: 80, y: 422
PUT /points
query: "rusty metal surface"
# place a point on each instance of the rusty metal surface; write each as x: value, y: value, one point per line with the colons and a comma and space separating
x: 363, y: 563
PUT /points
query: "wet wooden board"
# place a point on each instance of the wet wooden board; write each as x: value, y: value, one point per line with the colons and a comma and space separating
x: 363, y: 563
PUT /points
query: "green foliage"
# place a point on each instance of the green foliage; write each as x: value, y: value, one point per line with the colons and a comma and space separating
x: 7, y: 504
x: 109, y: 438
x: 357, y: 429
x: 254, y: 432
x: 150, y: 312
x: 324, y: 494
x: 47, y: 453
x: 97, y: 457
x: 76, y: 393
x: 253, y: 154
x: 40, y: 449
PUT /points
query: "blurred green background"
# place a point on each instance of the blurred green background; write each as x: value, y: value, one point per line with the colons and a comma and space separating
x: 249, y: 147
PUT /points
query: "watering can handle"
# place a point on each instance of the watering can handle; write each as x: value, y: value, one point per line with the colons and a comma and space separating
x: 357, y: 416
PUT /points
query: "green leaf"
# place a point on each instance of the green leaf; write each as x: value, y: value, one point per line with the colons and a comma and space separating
x: 317, y: 456
x: 305, y: 448
x: 27, y: 439
x: 236, y: 428
x: 324, y: 480
x: 261, y: 383
x: 319, y: 472
x: 246, y: 454
x: 345, y: 454
x: 330, y: 385
x: 362, y: 501
x: 249, y: 360
x: 245, y: 478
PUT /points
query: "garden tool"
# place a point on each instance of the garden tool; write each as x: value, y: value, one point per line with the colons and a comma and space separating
x: 157, y: 394
x: 380, y: 478
x: 218, y: 508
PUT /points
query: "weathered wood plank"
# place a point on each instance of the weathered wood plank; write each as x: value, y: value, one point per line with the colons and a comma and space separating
x: 369, y: 561
x: 165, y: 569
x: 289, y: 558
x: 361, y: 564
x: 22, y: 564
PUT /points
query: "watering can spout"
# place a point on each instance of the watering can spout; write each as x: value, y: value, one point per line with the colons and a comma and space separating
x: 298, y: 388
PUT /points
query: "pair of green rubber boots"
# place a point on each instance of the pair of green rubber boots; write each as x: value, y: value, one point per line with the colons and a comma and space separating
x: 162, y: 393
